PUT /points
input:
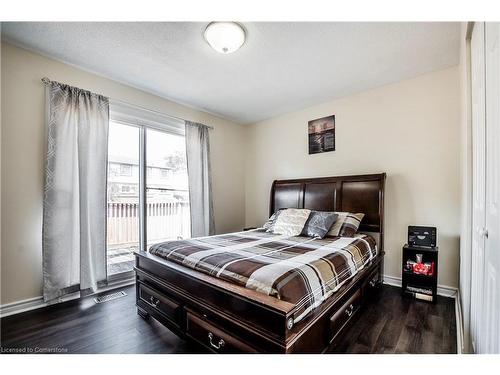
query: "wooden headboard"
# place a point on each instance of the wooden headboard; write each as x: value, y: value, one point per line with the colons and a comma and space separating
x: 361, y: 193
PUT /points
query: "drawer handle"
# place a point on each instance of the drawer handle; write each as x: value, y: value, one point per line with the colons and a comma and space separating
x: 217, y: 346
x: 373, y: 283
x: 154, y: 301
x: 349, y: 310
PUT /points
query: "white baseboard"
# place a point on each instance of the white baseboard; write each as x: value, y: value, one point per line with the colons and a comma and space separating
x: 442, y: 290
x: 21, y: 306
x: 37, y: 302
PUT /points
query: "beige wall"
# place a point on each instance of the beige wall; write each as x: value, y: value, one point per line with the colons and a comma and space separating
x: 411, y: 130
x: 22, y: 158
x: 466, y: 178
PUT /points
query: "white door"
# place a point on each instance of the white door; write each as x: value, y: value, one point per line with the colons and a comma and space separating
x: 478, y: 184
x: 490, y: 342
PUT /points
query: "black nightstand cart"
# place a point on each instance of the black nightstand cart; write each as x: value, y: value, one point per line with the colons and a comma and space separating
x: 411, y: 282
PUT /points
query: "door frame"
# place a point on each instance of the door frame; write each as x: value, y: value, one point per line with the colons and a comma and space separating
x: 478, y: 124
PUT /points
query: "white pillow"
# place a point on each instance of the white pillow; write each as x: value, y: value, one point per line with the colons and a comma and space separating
x: 291, y: 221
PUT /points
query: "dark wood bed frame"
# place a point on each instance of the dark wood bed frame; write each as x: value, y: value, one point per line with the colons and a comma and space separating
x: 228, y: 318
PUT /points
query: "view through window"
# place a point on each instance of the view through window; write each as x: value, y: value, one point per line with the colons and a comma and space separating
x: 166, y: 197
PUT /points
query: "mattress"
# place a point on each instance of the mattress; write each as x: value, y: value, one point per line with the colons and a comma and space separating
x: 301, y: 270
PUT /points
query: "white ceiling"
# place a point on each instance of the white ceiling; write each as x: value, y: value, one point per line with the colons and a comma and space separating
x: 283, y: 66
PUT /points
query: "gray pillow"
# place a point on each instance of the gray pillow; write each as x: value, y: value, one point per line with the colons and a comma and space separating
x: 319, y: 223
x: 269, y: 224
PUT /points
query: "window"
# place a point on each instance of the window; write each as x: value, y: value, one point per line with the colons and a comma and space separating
x: 122, y: 201
x: 144, y: 211
x: 113, y: 169
x: 165, y: 173
x: 167, y: 198
x: 125, y: 170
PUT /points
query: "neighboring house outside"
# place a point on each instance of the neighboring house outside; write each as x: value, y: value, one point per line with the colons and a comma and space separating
x: 123, y: 181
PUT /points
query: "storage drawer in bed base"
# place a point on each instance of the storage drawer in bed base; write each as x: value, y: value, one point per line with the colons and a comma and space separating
x: 344, y: 314
x: 159, y: 303
x: 213, y: 337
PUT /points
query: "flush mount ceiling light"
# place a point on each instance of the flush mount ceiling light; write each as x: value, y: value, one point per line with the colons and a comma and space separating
x: 224, y: 37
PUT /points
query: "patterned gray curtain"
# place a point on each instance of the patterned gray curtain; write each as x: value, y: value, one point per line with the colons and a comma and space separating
x: 74, y: 207
x: 200, y: 179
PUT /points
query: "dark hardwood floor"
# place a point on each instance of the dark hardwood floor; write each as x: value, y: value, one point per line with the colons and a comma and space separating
x: 394, y: 324
x: 389, y: 324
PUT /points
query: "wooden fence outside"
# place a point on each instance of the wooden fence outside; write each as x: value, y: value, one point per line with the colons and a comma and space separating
x: 165, y: 221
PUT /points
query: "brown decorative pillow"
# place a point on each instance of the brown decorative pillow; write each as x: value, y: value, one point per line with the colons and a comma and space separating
x: 347, y: 224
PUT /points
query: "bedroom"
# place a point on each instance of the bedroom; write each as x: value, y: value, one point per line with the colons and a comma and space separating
x: 249, y: 187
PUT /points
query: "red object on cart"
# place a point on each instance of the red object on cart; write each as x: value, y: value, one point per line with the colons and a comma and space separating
x: 424, y: 268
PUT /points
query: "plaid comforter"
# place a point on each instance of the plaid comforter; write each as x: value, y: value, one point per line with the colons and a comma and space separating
x: 300, y: 270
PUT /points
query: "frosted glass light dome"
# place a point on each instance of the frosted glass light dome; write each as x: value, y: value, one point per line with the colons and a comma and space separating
x: 224, y: 37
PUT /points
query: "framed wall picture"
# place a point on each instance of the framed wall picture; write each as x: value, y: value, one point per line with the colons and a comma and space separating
x: 322, y: 135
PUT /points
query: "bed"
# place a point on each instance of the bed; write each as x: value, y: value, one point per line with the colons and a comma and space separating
x: 256, y: 292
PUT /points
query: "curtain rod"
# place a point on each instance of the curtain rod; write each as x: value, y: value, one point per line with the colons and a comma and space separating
x: 46, y: 81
